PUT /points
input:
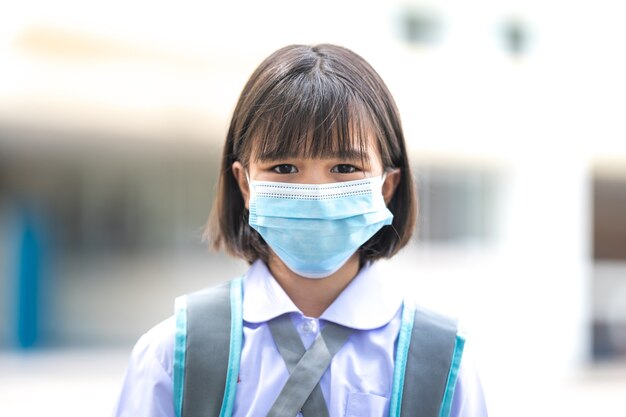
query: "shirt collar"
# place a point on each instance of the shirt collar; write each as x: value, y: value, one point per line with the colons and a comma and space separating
x: 263, y: 298
x: 368, y: 302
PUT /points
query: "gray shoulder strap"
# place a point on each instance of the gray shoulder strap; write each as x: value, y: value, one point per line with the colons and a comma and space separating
x: 207, y: 350
x: 430, y: 361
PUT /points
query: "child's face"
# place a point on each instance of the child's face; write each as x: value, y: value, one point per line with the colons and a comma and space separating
x: 303, y: 170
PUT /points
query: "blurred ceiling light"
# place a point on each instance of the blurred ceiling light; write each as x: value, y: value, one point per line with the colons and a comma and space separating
x: 75, y: 80
x: 55, y: 43
x: 515, y: 36
x: 419, y: 26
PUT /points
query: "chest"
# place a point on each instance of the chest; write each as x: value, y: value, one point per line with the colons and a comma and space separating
x: 357, y: 383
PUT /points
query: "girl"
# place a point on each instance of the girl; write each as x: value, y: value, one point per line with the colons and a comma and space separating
x: 315, y: 186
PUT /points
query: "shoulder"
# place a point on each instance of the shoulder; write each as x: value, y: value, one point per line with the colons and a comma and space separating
x: 469, y: 397
x: 147, y: 386
x: 157, y: 346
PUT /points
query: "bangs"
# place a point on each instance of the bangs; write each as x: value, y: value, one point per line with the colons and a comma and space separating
x: 311, y: 118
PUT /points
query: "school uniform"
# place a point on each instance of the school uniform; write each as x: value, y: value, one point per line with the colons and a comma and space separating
x: 357, y: 382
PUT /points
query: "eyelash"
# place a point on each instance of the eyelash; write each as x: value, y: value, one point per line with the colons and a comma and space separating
x: 351, y: 169
x: 291, y: 168
x: 336, y: 169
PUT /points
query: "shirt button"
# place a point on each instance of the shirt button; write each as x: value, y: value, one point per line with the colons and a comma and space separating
x: 308, y: 326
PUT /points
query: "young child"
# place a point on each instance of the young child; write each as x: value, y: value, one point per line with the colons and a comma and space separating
x: 315, y: 186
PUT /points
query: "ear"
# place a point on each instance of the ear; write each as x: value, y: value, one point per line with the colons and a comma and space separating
x: 240, y: 176
x: 390, y: 185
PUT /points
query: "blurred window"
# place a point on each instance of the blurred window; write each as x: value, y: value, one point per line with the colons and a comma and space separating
x: 609, y: 218
x: 457, y: 205
x: 609, y: 272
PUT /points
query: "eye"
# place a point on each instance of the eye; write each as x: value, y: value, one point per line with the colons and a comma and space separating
x: 343, y: 169
x: 285, y: 169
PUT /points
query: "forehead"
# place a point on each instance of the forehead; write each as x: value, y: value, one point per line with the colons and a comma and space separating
x: 354, y: 148
x: 347, y: 133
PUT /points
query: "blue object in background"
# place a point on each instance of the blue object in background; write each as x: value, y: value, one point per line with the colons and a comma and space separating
x: 29, y: 270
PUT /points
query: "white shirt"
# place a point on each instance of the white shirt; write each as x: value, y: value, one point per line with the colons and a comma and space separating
x: 357, y: 383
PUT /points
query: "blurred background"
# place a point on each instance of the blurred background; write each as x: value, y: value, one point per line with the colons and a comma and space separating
x: 112, y: 118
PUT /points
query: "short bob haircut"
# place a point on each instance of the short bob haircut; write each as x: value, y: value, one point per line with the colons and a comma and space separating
x: 311, y: 101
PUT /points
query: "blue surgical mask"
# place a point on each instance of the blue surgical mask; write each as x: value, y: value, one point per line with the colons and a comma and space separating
x: 315, y: 228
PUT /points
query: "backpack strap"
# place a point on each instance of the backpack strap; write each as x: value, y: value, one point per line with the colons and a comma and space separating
x: 428, y: 356
x: 209, y: 332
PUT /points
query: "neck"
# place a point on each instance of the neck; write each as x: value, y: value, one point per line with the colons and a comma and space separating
x: 313, y: 296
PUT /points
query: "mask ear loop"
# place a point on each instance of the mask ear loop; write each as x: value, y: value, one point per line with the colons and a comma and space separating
x: 386, y: 171
x: 383, y: 177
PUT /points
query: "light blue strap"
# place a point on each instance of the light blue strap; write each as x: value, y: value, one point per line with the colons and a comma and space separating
x: 236, y: 338
x: 402, y: 351
x: 428, y: 355
x: 446, y: 404
x: 180, y: 344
